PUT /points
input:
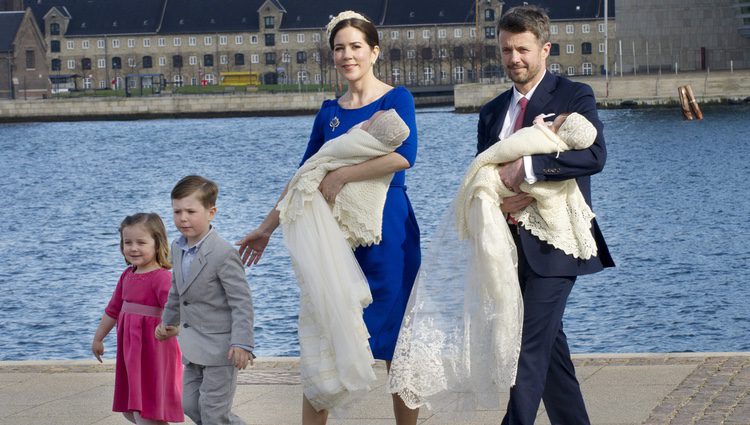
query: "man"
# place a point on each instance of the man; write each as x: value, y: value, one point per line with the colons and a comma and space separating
x: 546, y: 274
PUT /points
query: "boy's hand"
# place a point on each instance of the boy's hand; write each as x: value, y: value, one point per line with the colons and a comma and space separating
x: 97, y: 347
x: 163, y: 332
x: 240, y: 357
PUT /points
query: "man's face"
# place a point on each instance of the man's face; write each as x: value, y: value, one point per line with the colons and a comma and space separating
x: 523, y: 57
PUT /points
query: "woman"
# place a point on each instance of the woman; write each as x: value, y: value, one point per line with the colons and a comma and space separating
x: 390, y: 266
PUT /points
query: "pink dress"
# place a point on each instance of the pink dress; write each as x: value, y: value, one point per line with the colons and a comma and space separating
x: 148, y: 376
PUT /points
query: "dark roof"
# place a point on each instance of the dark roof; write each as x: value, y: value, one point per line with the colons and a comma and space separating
x: 425, y: 12
x: 301, y: 15
x: 196, y: 16
x: 9, y: 23
x: 567, y: 10
x: 92, y: 17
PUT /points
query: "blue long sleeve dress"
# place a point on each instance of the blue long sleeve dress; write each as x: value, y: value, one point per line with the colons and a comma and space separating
x: 390, y: 266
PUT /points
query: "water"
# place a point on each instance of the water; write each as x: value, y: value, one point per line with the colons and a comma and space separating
x: 672, y: 203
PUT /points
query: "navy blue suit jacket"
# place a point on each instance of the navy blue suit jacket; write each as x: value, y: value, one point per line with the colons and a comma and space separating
x: 555, y: 95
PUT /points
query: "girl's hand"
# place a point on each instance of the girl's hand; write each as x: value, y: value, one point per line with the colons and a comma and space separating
x: 253, y: 245
x: 97, y: 347
x: 332, y: 184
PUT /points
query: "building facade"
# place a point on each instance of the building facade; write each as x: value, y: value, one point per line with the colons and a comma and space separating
x: 24, y: 70
x: 190, y: 42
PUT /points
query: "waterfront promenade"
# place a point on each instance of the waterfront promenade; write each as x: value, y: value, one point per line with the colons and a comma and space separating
x: 622, y: 389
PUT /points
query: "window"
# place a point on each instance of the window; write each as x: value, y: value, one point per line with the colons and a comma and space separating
x: 426, y: 34
x: 410, y: 34
x: 148, y: 62
x: 102, y: 84
x: 411, y: 77
x: 394, y: 35
x: 115, y: 44
x: 458, y: 74
x: 131, y: 43
x: 396, y: 75
x: 458, y: 52
x: 162, y: 61
x: 442, y: 33
x: 270, y: 58
x: 286, y: 57
x: 443, y: 53
x: 253, y: 39
x: 428, y: 75
x: 101, y: 63
x: 553, y: 29
x: 85, y: 44
x: 268, y: 21
x: 570, y: 49
x: 426, y: 53
x: 489, y: 15
x: 192, y: 41
x: 254, y: 58
x: 316, y: 39
x: 457, y: 33
x: 317, y: 78
x: 71, y: 44
x: 239, y: 59
x: 586, y: 48
x: 571, y: 70
x: 238, y: 39
x: 30, y: 59
x: 193, y: 60
x: 587, y: 68
x: 443, y: 76
x: 193, y: 81
x: 585, y: 28
x: 131, y: 62
x: 177, y: 61
x: 54, y: 46
x: 300, y: 38
x: 99, y: 44
x: 490, y: 51
x: 316, y: 57
x: 85, y: 64
x: 208, y: 40
x: 302, y: 76
x: 554, y: 50
x: 116, y: 63
x: 54, y: 28
x: 601, y: 27
x: 178, y: 81
x: 284, y: 38
x: 601, y: 47
x: 55, y: 65
x: 472, y: 32
x: 569, y: 29
x: 395, y: 54
x: 489, y: 32
x: 223, y: 59
x: 270, y: 40
x: 301, y: 57
x: 147, y: 42
x: 87, y: 83
x: 555, y: 68
x: 162, y: 42
x: 411, y: 54
x: 208, y: 60
x: 223, y: 40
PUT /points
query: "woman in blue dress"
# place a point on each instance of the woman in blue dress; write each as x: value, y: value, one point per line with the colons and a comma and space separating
x: 390, y: 266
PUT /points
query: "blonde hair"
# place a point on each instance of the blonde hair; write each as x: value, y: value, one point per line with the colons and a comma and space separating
x: 155, y: 227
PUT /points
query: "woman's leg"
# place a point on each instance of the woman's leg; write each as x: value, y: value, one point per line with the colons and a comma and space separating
x: 403, y: 414
x: 310, y: 416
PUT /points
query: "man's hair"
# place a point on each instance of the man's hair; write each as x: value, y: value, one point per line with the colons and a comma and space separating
x: 529, y: 18
x: 207, y: 190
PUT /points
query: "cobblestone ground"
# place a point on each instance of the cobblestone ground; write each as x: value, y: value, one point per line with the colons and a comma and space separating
x: 716, y: 393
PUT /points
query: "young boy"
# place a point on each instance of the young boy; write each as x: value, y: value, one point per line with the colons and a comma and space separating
x: 210, y: 299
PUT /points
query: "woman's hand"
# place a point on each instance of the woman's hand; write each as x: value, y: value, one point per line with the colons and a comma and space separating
x: 253, y: 245
x: 332, y: 184
x: 514, y: 204
x: 97, y: 347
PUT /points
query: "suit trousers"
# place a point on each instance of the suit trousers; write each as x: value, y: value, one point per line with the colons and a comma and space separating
x: 207, y: 394
x: 545, y: 370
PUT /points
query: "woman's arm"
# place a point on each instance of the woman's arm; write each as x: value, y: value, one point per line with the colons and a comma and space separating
x: 368, y: 170
x: 251, y: 247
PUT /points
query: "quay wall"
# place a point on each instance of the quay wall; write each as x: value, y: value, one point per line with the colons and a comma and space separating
x: 632, y: 91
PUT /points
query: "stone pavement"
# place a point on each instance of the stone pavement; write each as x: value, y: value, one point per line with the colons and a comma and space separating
x: 620, y: 389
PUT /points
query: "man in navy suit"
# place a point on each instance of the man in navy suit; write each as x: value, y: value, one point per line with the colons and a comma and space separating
x: 546, y: 274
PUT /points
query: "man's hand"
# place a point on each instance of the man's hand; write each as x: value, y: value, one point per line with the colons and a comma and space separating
x: 512, y: 175
x: 514, y: 204
x: 239, y: 357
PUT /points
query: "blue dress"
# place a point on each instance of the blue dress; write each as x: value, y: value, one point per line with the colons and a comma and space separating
x: 390, y: 266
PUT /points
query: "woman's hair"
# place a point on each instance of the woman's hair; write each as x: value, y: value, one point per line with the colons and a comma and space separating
x: 526, y: 18
x: 156, y: 229
x: 364, y: 25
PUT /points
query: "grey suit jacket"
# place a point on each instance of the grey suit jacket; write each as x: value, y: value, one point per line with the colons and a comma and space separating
x: 212, y: 303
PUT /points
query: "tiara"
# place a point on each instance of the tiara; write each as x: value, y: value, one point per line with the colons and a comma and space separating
x: 347, y: 14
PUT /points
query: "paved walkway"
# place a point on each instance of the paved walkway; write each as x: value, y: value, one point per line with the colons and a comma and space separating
x: 620, y: 389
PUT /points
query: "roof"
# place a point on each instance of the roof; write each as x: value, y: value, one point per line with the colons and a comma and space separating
x: 425, y: 12
x: 9, y: 24
x: 94, y: 17
x: 568, y: 10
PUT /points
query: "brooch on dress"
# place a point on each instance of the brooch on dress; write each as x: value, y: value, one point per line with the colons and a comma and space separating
x: 334, y: 123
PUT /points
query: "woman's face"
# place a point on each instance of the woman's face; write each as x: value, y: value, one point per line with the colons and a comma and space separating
x: 352, y: 55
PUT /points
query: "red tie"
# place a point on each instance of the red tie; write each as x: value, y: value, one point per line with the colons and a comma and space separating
x: 519, y: 118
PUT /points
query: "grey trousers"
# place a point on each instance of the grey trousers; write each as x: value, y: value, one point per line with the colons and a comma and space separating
x: 207, y: 394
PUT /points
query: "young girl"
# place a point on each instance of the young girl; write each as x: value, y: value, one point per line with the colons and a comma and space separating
x: 148, y: 378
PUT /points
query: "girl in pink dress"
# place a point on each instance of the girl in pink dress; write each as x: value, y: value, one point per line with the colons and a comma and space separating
x: 148, y: 378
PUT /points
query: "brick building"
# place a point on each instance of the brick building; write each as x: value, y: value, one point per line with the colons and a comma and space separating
x: 24, y: 71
